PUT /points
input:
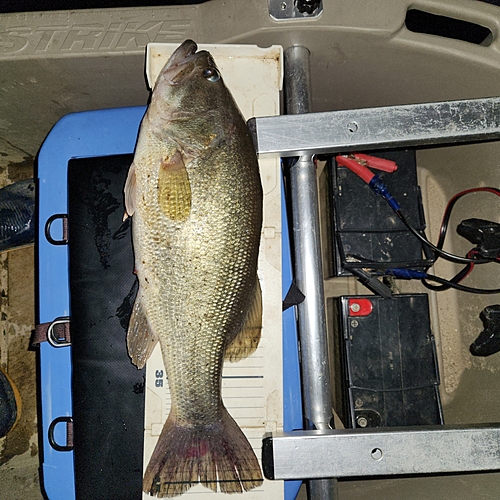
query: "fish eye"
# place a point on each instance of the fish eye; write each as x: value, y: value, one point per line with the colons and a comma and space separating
x: 211, y: 74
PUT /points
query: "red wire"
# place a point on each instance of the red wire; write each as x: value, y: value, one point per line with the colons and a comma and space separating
x: 453, y: 200
x: 471, y: 264
x: 445, y: 221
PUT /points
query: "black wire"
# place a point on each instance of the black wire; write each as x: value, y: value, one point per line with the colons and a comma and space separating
x: 445, y: 284
x: 439, y: 251
x: 451, y: 204
x: 442, y: 235
x: 463, y: 288
x: 454, y: 282
x: 456, y: 279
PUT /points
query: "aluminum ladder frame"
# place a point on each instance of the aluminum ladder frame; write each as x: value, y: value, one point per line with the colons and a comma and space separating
x: 320, y: 453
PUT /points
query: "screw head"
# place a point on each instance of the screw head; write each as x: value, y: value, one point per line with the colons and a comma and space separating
x: 355, y: 307
x: 362, y: 421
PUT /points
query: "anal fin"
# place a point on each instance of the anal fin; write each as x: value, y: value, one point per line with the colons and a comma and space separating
x: 247, y: 340
x: 141, y: 340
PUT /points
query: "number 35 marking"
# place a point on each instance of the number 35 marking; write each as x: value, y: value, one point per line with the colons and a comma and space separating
x: 159, y: 378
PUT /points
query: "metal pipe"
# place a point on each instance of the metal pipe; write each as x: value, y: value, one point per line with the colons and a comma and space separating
x: 309, y: 279
x: 317, y: 397
x: 297, y: 80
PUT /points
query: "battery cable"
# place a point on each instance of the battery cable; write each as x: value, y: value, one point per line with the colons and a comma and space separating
x: 358, y: 164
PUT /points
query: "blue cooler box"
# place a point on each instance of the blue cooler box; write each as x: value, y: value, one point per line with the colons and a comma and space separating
x: 94, y: 135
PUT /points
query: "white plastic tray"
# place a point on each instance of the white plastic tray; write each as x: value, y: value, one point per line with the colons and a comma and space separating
x: 252, y: 388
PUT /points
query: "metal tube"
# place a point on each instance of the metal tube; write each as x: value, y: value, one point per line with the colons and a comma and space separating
x: 297, y: 80
x: 309, y: 279
x: 411, y: 125
x: 317, y: 398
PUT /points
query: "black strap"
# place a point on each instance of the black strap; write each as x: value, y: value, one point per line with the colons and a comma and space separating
x: 293, y: 297
x: 56, y: 332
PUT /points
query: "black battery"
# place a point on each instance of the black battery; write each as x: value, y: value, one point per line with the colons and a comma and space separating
x: 385, y: 362
x: 365, y: 231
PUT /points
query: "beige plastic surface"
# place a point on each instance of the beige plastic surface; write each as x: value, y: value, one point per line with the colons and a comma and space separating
x: 362, y: 55
x: 251, y: 388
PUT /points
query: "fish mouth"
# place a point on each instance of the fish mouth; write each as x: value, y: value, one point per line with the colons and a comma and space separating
x: 183, y: 62
x: 183, y: 53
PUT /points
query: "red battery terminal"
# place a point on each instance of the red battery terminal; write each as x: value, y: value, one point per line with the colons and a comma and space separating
x: 358, y: 163
x: 360, y: 306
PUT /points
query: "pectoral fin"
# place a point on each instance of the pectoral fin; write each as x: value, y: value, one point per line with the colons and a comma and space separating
x: 247, y: 340
x: 141, y: 340
x: 174, y: 189
x: 130, y: 189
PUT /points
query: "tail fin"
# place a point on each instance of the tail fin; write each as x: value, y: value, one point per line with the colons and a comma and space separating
x: 216, y: 454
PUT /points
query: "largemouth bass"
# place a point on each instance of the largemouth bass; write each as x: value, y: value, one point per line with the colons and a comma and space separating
x: 195, y: 195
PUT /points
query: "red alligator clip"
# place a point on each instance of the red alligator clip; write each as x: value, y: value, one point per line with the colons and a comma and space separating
x: 358, y: 163
x: 376, y: 162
